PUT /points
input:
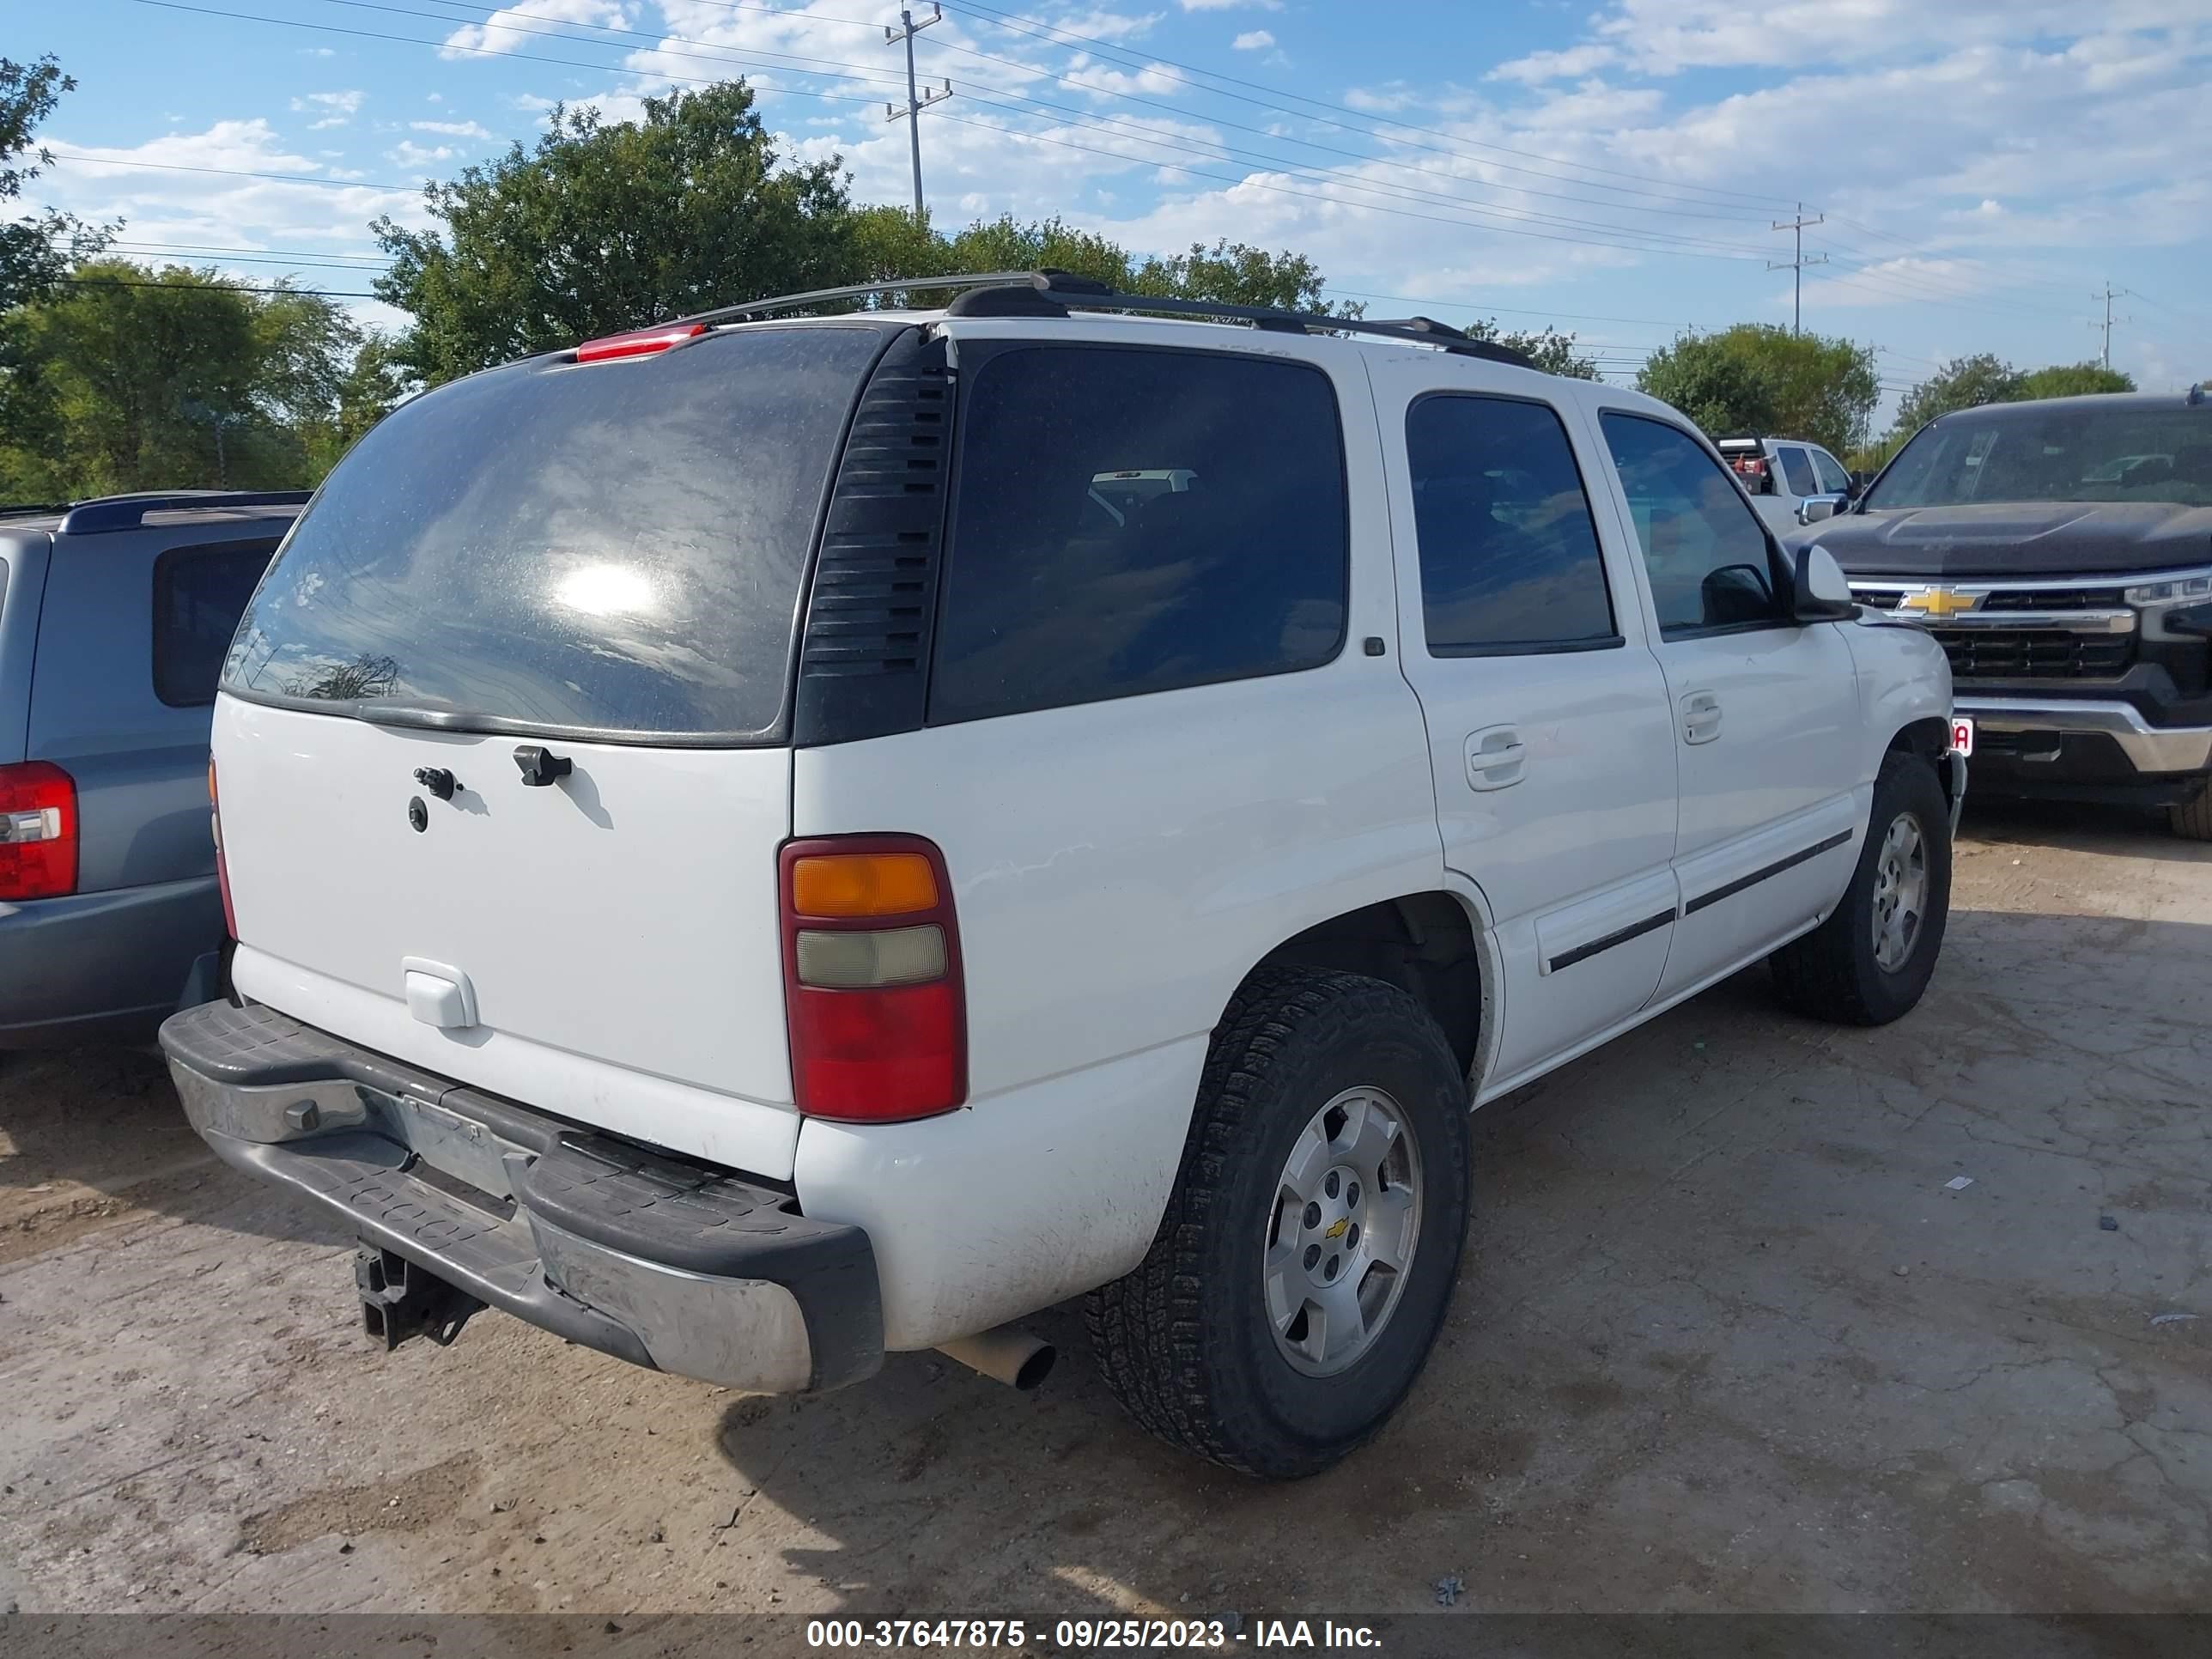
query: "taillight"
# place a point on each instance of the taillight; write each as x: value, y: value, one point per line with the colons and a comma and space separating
x: 222, y: 869
x: 871, y: 979
x: 638, y: 343
x: 38, y: 831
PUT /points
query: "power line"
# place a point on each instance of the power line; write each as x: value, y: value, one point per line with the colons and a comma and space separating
x: 1017, y: 24
x: 229, y: 172
x: 216, y: 288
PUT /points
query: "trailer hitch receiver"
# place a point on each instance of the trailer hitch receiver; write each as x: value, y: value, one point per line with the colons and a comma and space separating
x: 399, y: 1299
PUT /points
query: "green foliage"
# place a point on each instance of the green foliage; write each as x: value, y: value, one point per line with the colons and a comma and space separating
x: 889, y: 243
x: 604, y: 228
x: 1759, y: 378
x: 2074, y: 380
x: 1962, y: 383
x: 1969, y: 382
x: 1547, y: 348
x: 134, y: 379
x: 35, y: 253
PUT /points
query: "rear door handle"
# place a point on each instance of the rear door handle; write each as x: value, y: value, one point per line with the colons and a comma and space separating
x: 1496, y: 757
x: 1701, y: 716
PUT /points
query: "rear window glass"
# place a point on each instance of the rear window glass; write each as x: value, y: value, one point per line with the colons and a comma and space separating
x: 199, y: 593
x: 606, y: 548
x: 1131, y: 520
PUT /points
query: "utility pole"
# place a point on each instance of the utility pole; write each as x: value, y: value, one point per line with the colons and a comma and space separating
x: 916, y: 101
x: 1798, y: 264
x: 2110, y: 294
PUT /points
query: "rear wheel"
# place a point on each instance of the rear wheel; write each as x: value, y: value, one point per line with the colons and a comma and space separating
x: 2192, y: 819
x: 1301, y: 1274
x: 1870, y: 960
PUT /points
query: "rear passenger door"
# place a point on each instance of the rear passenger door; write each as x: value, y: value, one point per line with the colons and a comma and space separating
x: 1766, y: 716
x: 1521, y: 630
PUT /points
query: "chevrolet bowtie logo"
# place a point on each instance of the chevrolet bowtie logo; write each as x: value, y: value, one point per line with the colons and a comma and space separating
x: 1939, y: 602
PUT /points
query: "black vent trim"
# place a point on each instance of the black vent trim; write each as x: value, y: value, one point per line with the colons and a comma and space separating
x: 863, y: 663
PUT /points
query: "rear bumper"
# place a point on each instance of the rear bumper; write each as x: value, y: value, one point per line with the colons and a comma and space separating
x: 2061, y: 746
x: 661, y: 1260
x: 95, y: 967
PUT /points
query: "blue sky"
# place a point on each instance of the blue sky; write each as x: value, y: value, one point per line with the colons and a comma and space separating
x: 1614, y: 168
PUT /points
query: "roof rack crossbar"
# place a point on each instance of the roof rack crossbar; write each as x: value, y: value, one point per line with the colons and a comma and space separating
x: 1087, y: 294
x: 108, y: 513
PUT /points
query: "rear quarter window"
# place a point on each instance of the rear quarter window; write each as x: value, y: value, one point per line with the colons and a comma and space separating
x: 199, y: 594
x: 603, y: 550
x: 1129, y: 521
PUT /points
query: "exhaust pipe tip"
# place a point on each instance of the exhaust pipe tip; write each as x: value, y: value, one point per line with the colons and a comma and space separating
x: 1006, y: 1354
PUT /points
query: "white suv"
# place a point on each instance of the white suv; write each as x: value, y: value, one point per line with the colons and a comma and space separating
x: 740, y: 857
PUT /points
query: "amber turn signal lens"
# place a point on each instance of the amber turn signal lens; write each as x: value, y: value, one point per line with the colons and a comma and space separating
x: 862, y: 884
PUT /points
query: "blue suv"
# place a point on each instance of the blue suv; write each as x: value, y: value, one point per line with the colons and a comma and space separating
x: 114, y: 617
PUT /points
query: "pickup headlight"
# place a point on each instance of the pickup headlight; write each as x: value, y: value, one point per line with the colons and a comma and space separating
x: 2192, y: 584
x: 2166, y: 606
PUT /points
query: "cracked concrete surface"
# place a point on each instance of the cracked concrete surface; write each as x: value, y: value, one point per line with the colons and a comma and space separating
x: 1724, y: 1340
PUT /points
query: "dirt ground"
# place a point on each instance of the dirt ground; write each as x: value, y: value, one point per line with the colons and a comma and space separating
x: 1725, y: 1341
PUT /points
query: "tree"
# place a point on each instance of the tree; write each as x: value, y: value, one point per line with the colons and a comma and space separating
x: 889, y: 243
x: 140, y: 379
x: 372, y: 385
x: 35, y: 253
x: 1962, y: 383
x: 1756, y: 377
x: 1548, y: 350
x: 2074, y: 380
x: 604, y: 227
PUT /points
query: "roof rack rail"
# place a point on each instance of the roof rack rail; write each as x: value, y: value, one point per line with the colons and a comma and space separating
x: 108, y: 513
x: 1069, y: 292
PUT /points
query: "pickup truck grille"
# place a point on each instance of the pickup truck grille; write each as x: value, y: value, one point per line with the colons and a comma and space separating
x: 2004, y: 653
x: 2055, y: 599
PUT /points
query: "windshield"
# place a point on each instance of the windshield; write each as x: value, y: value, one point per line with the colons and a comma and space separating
x: 589, y: 549
x: 2074, y: 451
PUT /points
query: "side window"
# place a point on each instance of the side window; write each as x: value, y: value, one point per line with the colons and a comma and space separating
x: 1703, y: 545
x: 199, y: 593
x: 1834, y: 480
x: 1510, y: 559
x: 1797, y: 472
x: 1128, y: 521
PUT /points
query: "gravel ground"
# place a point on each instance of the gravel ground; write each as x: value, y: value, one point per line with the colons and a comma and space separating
x: 1725, y: 1339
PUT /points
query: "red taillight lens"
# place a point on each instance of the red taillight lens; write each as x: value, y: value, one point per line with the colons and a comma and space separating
x: 872, y: 988
x: 222, y: 869
x: 639, y: 342
x: 38, y: 831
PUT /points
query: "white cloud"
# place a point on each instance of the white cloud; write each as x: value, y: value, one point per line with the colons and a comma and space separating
x: 331, y: 109
x: 317, y: 52
x: 1230, y: 5
x: 451, y: 129
x: 1385, y: 99
x: 409, y: 154
x: 1540, y: 66
x: 1253, y: 40
x: 514, y: 28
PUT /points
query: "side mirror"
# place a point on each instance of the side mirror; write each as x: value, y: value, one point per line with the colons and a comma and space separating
x: 1818, y: 592
x: 1814, y: 508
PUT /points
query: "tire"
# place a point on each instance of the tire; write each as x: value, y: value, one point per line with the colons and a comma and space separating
x: 1834, y: 973
x: 2192, y: 819
x: 1187, y: 1342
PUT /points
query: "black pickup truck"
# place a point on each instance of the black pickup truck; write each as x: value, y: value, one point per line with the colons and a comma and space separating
x: 2062, y: 551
